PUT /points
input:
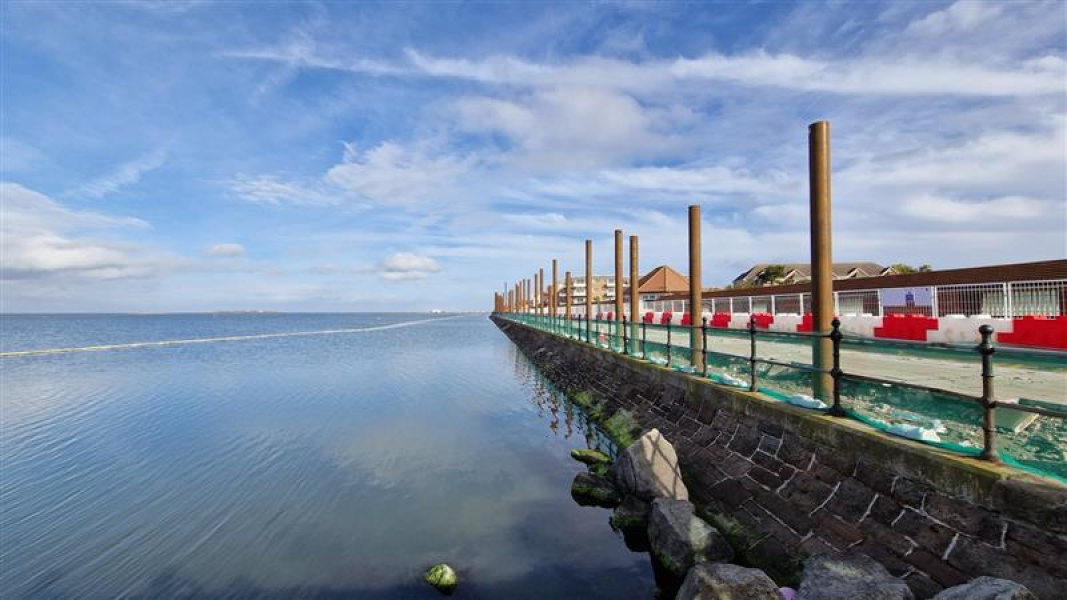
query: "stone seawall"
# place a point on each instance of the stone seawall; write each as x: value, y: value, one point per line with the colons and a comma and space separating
x: 784, y: 482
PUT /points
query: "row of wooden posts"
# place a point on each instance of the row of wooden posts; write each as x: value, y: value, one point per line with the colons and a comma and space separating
x: 529, y: 294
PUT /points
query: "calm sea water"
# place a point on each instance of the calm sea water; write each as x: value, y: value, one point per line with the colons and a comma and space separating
x: 333, y: 465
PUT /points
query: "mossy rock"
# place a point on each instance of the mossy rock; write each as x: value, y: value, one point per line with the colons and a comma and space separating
x: 590, y: 457
x: 589, y: 489
x: 631, y: 514
x: 443, y: 578
x: 600, y: 469
x: 622, y: 428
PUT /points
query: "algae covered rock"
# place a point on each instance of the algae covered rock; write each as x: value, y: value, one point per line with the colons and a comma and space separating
x: 722, y: 580
x: 987, y: 588
x: 680, y: 539
x: 631, y: 514
x: 846, y: 576
x: 590, y: 457
x: 590, y: 489
x: 442, y: 577
x: 648, y: 469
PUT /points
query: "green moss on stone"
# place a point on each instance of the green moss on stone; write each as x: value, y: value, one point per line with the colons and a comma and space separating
x: 442, y: 577
x: 590, y: 456
x: 622, y: 428
x: 600, y: 469
x: 668, y: 563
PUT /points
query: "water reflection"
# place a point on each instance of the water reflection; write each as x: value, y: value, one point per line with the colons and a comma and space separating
x: 549, y: 401
x: 299, y: 467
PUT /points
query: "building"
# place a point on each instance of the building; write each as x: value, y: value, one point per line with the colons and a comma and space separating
x: 661, y: 281
x: 787, y: 273
x: 603, y: 289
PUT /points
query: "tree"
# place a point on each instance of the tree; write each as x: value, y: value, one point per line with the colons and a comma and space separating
x: 770, y: 274
x: 901, y: 269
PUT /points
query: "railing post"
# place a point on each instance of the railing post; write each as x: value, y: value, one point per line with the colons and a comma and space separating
x: 644, y: 338
x: 668, y: 344
x: 625, y: 339
x: 704, y: 346
x: 753, y: 385
x: 986, y: 349
x: 835, y: 372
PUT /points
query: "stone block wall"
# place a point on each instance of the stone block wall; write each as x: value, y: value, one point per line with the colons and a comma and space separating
x: 786, y: 482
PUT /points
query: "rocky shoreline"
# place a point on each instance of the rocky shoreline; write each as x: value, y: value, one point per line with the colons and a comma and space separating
x: 647, y: 491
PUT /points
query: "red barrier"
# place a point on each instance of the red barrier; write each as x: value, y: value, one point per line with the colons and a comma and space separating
x: 906, y: 327
x: 649, y: 317
x: 686, y: 319
x: 611, y: 316
x: 666, y: 318
x: 720, y: 320
x: 763, y: 320
x: 1037, y: 332
x: 806, y: 324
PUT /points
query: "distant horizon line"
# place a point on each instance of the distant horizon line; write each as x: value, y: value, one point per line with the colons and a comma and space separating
x: 244, y: 312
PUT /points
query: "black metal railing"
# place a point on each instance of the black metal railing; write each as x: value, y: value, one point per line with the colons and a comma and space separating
x: 609, y: 334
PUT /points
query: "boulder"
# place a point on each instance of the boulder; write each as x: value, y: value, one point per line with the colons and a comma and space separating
x: 631, y: 514
x: 847, y: 576
x: 679, y: 539
x: 648, y: 469
x: 589, y: 489
x: 442, y: 577
x: 590, y: 457
x: 987, y: 588
x: 724, y: 581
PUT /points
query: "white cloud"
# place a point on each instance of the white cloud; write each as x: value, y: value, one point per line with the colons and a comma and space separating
x: 391, y: 173
x: 407, y: 265
x: 576, y: 127
x: 949, y: 210
x: 959, y: 16
x: 41, y: 238
x: 126, y: 174
x: 228, y: 250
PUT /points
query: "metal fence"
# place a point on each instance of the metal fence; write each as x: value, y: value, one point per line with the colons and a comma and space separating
x: 667, y: 345
x: 999, y: 300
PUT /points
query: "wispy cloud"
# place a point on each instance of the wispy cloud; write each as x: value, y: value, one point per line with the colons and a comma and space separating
x: 226, y: 250
x: 878, y: 75
x: 127, y: 173
x: 394, y: 174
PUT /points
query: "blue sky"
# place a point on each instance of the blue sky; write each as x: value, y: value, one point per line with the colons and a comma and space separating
x: 408, y: 156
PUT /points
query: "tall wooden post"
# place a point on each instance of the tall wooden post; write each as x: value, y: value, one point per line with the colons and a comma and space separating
x: 619, y: 305
x: 553, y: 300
x: 822, y: 279
x: 541, y: 291
x: 696, y: 340
x: 568, y: 295
x: 588, y: 279
x: 635, y: 298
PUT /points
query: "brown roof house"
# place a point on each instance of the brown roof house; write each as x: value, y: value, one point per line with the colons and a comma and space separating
x: 786, y: 273
x: 661, y: 281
